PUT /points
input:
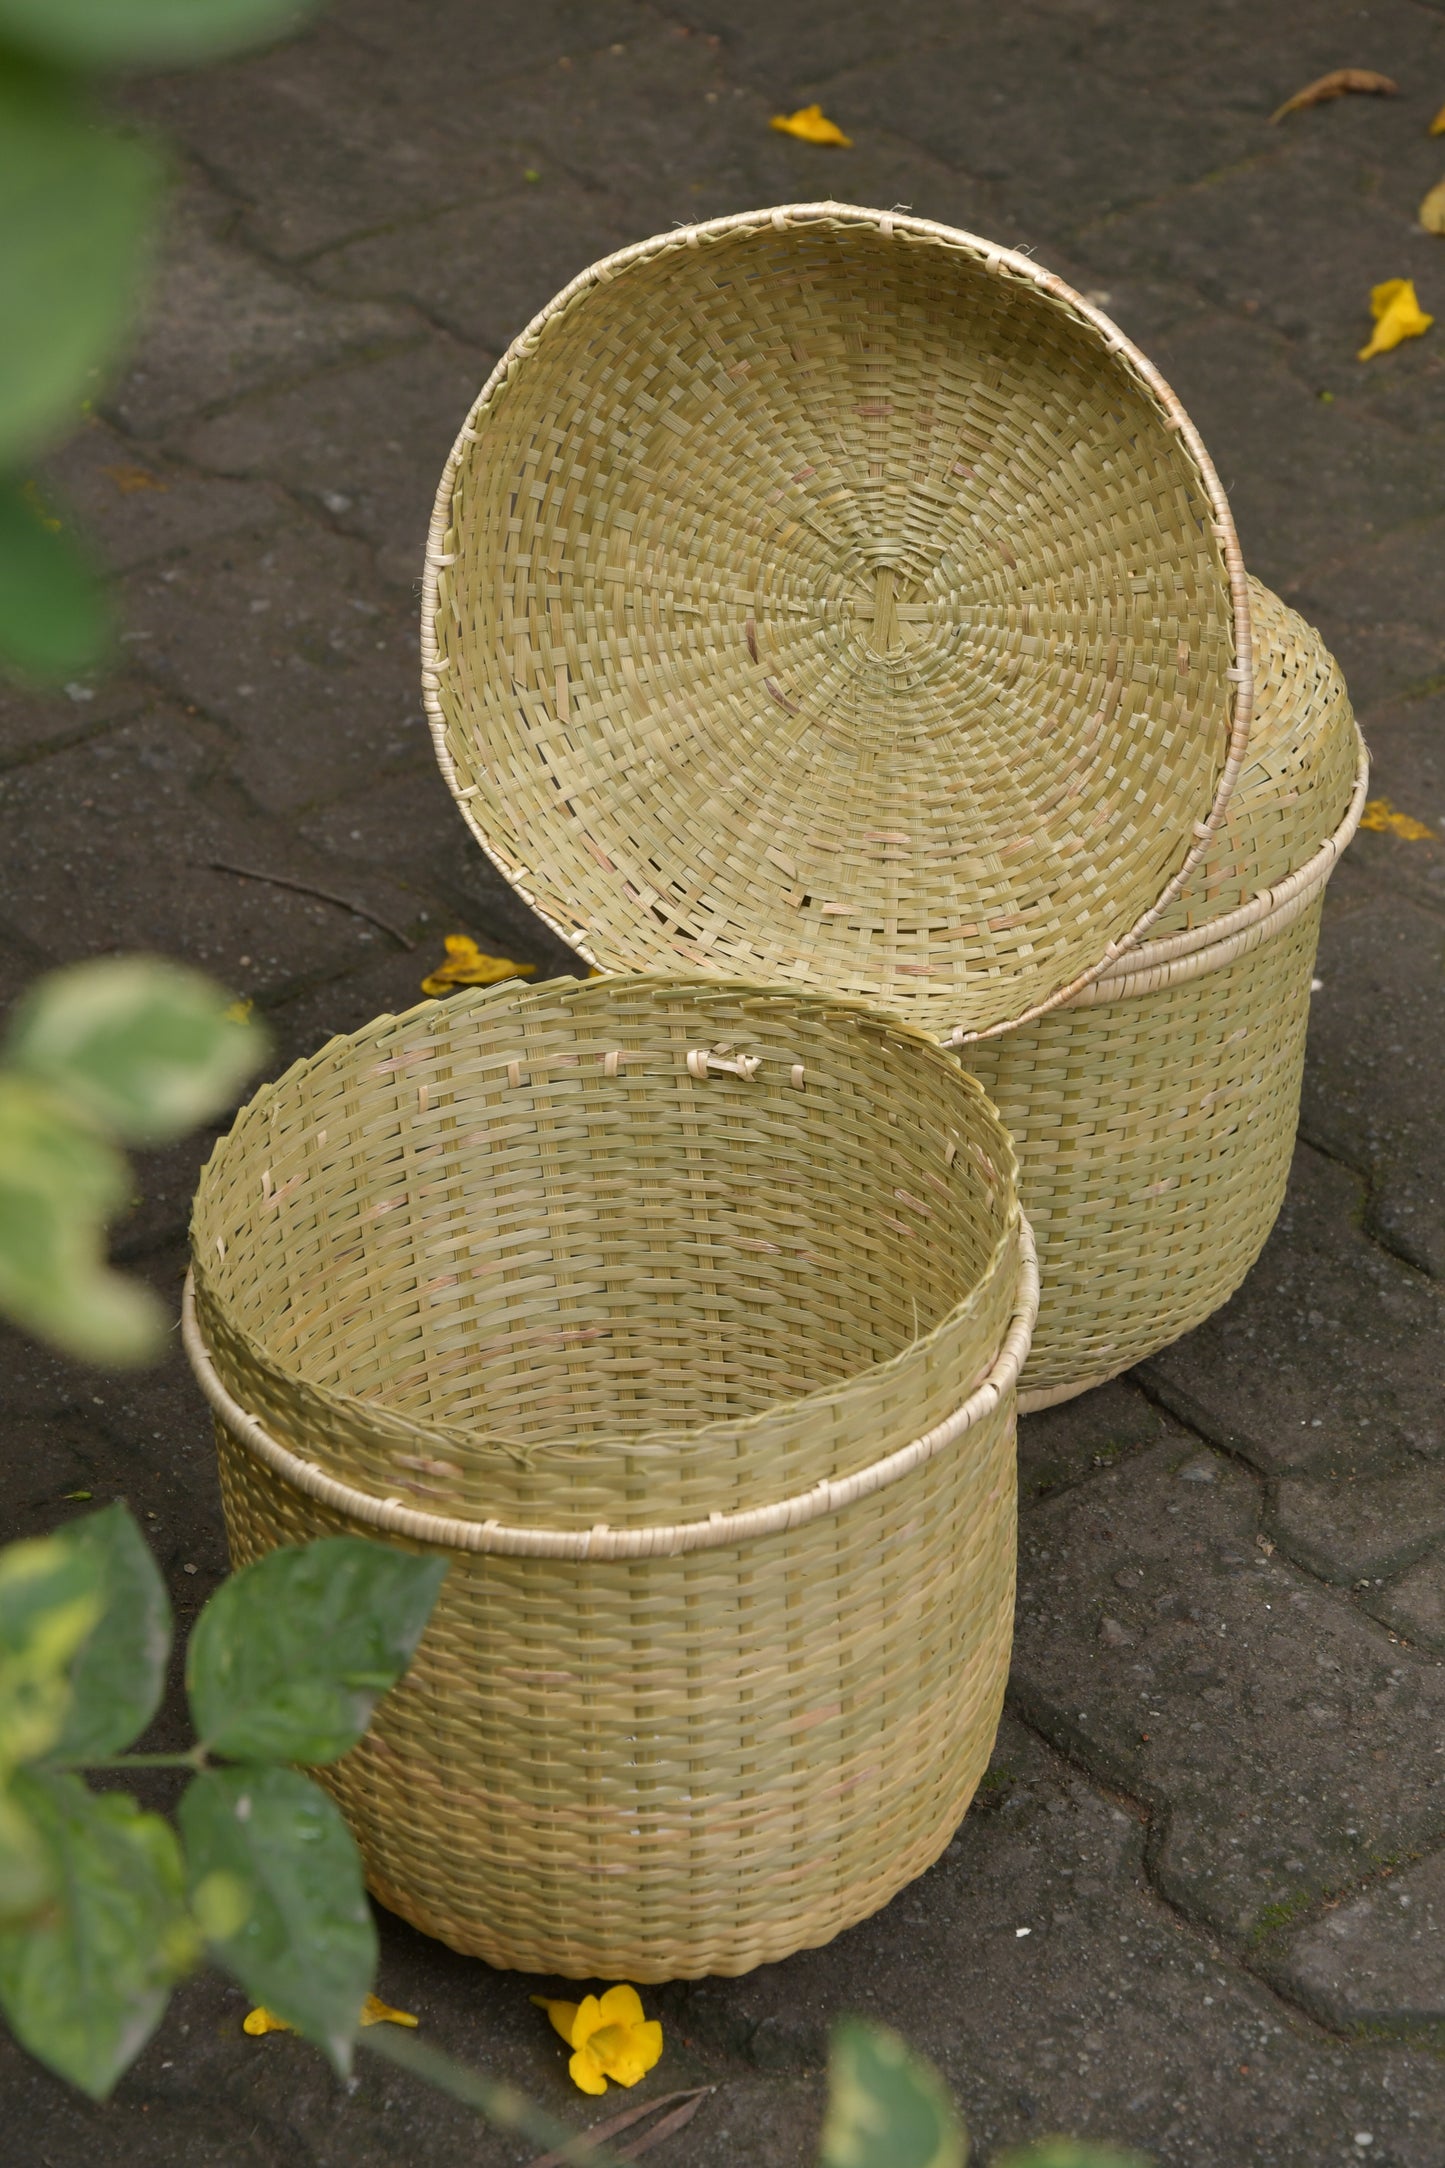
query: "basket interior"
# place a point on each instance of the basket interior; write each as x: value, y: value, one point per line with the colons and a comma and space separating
x: 826, y: 603
x: 523, y: 1214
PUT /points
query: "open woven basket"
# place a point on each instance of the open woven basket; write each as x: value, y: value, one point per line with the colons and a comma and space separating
x: 1155, y: 1115
x: 685, y: 1319
x: 827, y: 596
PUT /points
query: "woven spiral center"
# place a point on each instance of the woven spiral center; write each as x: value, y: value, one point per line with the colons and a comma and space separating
x: 824, y: 605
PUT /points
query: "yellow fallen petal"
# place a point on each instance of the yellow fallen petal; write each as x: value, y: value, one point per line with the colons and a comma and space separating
x: 1398, y: 315
x: 632, y: 2057
x: 1432, y: 210
x: 376, y: 2012
x: 1380, y: 815
x: 1437, y: 125
x: 466, y: 965
x: 811, y: 125
x: 621, y: 2005
x: 586, y: 2075
x: 562, y: 2014
x: 260, y: 2021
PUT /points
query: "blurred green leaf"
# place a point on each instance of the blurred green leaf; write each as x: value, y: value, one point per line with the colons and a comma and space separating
x: 58, y: 1185
x: 887, y: 2107
x: 119, y: 1671
x: 288, y: 1658
x: 123, y: 33
x: 27, y: 1872
x: 307, y: 1949
x: 144, y: 1048
x: 55, y: 616
x: 220, y: 1905
x: 1068, y: 2153
x: 77, y: 203
x: 50, y: 1597
x: 85, y: 1984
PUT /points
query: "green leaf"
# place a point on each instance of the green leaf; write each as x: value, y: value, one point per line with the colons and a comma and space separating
x: 85, y: 1985
x: 121, y: 33
x: 50, y: 1597
x: 77, y: 203
x: 144, y: 1048
x: 27, y: 1872
x: 59, y: 1183
x: 119, y: 1672
x: 887, y: 2107
x: 307, y: 1949
x: 55, y: 618
x: 288, y: 1658
x: 1068, y: 2153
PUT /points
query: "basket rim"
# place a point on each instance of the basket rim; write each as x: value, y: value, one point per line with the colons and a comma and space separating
x: 995, y: 258
x: 521, y: 994
x: 601, y: 1542
x: 1222, y: 941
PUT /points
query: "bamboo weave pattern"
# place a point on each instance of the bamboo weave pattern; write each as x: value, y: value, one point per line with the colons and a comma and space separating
x: 638, y: 1252
x: 1155, y: 1116
x: 831, y: 597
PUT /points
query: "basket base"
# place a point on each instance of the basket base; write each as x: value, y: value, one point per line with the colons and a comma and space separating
x: 1052, y: 1396
x: 726, y: 1957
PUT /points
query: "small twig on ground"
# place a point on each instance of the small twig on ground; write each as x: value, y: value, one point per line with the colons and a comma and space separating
x: 690, y: 2102
x: 307, y: 888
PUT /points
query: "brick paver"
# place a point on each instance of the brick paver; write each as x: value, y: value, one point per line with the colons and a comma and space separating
x: 1200, y: 1905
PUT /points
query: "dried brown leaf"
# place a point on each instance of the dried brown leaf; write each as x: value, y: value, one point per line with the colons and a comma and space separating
x: 599, y: 2133
x: 1335, y: 85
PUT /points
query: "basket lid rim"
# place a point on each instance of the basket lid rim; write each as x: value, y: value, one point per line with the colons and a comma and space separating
x: 992, y: 256
x: 521, y: 994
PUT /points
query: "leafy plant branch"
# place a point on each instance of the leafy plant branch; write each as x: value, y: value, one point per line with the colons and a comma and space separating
x: 79, y: 200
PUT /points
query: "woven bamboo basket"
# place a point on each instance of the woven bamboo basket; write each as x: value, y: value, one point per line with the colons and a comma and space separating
x: 685, y: 1319
x: 826, y: 596
x: 1155, y: 1116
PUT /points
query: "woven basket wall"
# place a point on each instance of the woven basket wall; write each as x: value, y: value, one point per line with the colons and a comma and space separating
x: 685, y: 1318
x: 830, y: 597
x: 1155, y: 1117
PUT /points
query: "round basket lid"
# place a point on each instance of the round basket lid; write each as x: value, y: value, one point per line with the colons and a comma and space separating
x: 831, y: 597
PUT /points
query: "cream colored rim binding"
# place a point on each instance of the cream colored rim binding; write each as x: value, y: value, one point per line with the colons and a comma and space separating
x: 601, y: 1542
x: 1164, y: 963
x: 995, y: 258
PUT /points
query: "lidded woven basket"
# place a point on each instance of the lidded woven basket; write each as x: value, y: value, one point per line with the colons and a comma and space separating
x: 684, y: 1318
x: 831, y: 597
x: 1155, y: 1114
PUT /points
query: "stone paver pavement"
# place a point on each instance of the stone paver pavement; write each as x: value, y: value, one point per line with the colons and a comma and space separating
x: 1200, y: 1904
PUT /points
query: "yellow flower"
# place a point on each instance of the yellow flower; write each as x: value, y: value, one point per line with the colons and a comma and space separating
x: 467, y: 966
x: 373, y: 2012
x: 259, y: 2021
x: 1437, y: 125
x: 609, y: 2037
x: 1398, y: 315
x: 1431, y: 213
x: 1380, y: 815
x: 810, y: 125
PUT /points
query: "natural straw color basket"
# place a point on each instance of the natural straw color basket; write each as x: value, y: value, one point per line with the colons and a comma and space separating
x: 1155, y: 1116
x: 829, y: 596
x: 685, y: 1318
